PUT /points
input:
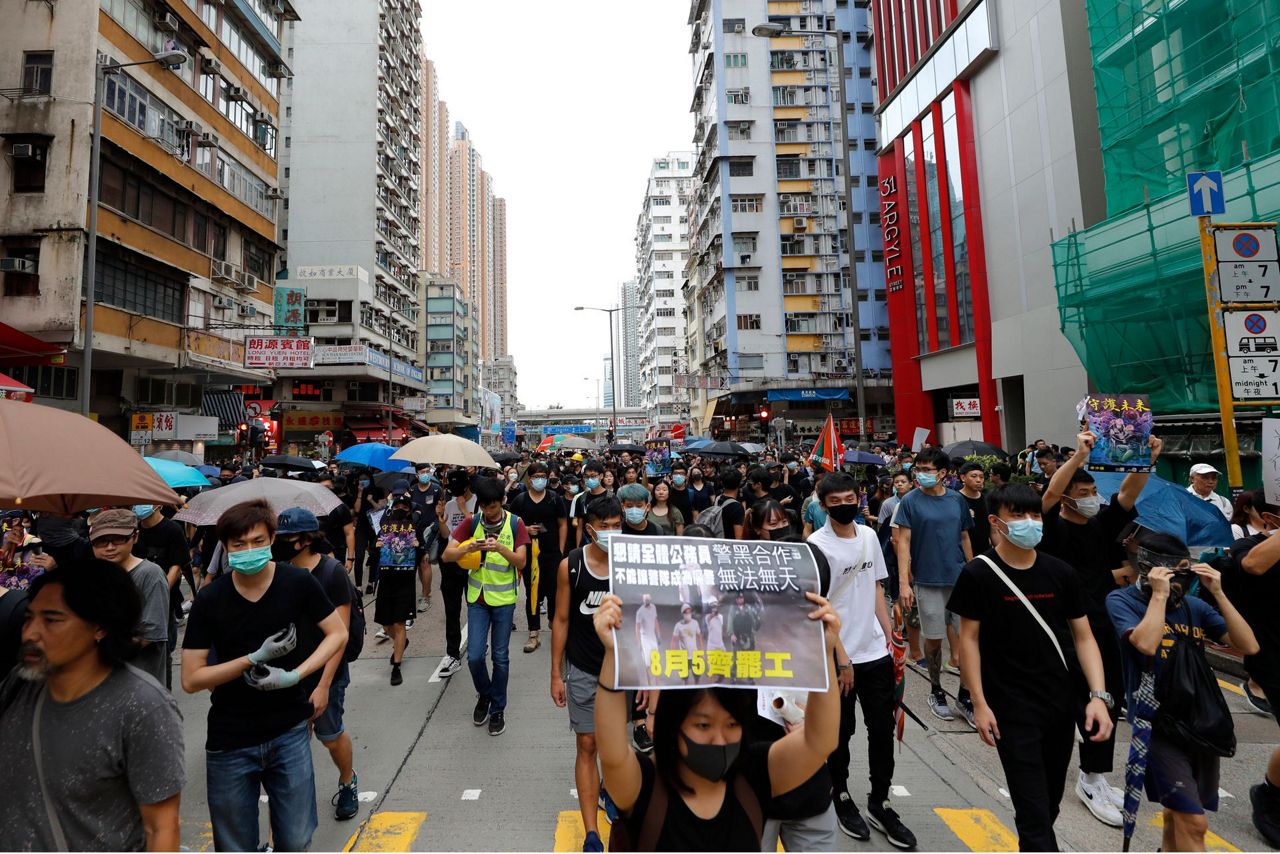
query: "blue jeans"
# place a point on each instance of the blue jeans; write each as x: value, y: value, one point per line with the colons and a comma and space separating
x: 481, y: 621
x: 281, y: 766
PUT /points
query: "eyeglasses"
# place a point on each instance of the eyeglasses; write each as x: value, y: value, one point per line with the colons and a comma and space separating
x: 112, y: 540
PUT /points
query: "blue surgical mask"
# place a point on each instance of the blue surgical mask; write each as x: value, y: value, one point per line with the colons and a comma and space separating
x: 926, y: 479
x: 593, y: 483
x: 1024, y: 533
x: 635, y: 515
x: 573, y: 489
x: 906, y: 466
x: 792, y: 466
x: 364, y: 483
x: 249, y: 561
x: 602, y: 537
x: 142, y: 511
x: 678, y: 479
x: 425, y: 478
x: 538, y: 484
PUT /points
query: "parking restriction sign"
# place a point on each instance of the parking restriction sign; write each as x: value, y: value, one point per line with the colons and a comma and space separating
x: 1248, y: 264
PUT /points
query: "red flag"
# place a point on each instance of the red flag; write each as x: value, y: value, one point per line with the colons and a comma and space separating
x: 828, y: 450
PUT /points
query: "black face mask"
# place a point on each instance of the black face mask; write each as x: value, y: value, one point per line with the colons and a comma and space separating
x: 285, y: 550
x: 779, y: 533
x: 456, y: 489
x: 710, y: 761
x: 843, y: 513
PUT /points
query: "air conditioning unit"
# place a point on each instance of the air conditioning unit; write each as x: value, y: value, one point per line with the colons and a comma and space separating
x: 17, y: 265
x: 23, y: 150
x: 800, y: 222
x: 207, y: 140
x: 354, y: 385
x: 246, y: 282
x: 739, y: 28
x: 189, y: 127
x: 237, y: 93
x: 247, y: 310
x: 313, y: 303
x: 224, y: 271
x: 165, y: 22
x: 744, y: 260
x: 792, y: 277
x: 277, y: 70
x: 264, y: 117
x: 223, y: 302
x: 209, y: 65
x: 784, y: 198
x: 274, y: 193
x: 842, y: 363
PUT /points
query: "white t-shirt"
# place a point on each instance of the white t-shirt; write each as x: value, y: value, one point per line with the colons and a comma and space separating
x: 687, y: 633
x: 856, y: 565
x: 456, y: 514
x: 647, y: 622
x: 1215, y: 499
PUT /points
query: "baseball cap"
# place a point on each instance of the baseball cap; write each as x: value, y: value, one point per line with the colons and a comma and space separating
x: 297, y: 520
x: 117, y: 522
x: 1204, y: 468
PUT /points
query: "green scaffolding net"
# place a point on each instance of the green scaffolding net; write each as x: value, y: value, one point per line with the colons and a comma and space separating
x: 1182, y: 85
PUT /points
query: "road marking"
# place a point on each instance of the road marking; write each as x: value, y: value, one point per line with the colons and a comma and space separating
x: 387, y: 831
x: 462, y: 648
x: 1003, y: 791
x: 573, y: 793
x: 1223, y: 793
x: 899, y: 791
x: 367, y: 797
x: 570, y: 833
x: 1212, y: 841
x: 1231, y: 686
x: 471, y: 794
x: 980, y: 830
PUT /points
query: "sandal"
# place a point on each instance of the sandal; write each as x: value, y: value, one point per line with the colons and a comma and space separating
x: 533, y: 643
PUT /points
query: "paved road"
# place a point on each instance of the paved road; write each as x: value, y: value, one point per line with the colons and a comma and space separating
x: 430, y: 781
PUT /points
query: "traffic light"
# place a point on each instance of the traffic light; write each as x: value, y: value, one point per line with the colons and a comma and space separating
x: 257, y: 434
x: 764, y: 414
x: 242, y: 434
x: 609, y: 436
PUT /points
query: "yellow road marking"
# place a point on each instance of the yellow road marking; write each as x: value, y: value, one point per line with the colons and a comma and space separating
x: 387, y: 831
x: 980, y: 830
x: 1232, y: 687
x: 1212, y: 841
x: 570, y: 833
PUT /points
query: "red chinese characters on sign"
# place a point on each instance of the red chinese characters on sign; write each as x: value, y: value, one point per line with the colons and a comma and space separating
x: 966, y: 407
x: 312, y: 421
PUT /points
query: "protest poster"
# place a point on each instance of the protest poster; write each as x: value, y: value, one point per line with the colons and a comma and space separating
x: 657, y: 457
x: 1122, y: 423
x: 698, y: 612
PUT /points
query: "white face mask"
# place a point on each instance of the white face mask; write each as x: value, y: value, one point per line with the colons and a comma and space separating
x: 1087, y: 507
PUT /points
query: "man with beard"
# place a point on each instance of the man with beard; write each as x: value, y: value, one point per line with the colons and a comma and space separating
x: 93, y: 748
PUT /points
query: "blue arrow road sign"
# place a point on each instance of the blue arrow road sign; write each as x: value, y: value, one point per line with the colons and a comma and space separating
x: 1205, y: 191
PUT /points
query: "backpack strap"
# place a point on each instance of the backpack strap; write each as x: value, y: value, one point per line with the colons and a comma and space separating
x: 749, y: 802
x: 655, y: 815
x: 1022, y: 597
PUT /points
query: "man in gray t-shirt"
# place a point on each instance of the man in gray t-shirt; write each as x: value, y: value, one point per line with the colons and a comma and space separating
x: 113, y: 534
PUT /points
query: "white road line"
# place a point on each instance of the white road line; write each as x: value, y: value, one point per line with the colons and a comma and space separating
x: 573, y: 793
x: 1004, y: 792
x: 899, y: 791
x: 367, y: 797
x: 1223, y: 793
x: 462, y: 648
x: 470, y: 794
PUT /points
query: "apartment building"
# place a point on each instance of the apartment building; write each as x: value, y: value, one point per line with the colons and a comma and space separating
x: 504, y: 381
x: 477, y: 245
x: 773, y: 320
x: 451, y: 332
x: 187, y: 196
x: 626, y: 330
x: 662, y: 247
x: 353, y: 151
x: 434, y: 183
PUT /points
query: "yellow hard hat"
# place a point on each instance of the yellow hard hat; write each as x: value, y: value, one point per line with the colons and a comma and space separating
x: 577, y: 457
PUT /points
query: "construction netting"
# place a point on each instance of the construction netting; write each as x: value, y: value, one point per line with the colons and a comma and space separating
x: 1182, y: 85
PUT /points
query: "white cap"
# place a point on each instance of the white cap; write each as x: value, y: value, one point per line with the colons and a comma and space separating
x: 1204, y: 468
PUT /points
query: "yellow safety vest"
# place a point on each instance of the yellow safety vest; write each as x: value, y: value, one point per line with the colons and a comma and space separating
x: 496, y: 578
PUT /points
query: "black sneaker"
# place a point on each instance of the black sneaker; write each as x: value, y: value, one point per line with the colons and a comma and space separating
x: 1266, y: 812
x: 481, y: 714
x: 396, y: 678
x: 497, y: 723
x: 641, y: 740
x: 885, y: 820
x: 849, y: 819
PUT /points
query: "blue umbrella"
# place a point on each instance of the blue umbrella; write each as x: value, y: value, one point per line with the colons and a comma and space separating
x: 208, y: 471
x: 695, y: 444
x: 375, y: 455
x: 863, y: 458
x: 176, y: 475
x: 1167, y: 507
x: 1143, y: 712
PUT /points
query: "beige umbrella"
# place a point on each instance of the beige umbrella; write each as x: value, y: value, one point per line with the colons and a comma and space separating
x: 578, y: 443
x: 60, y: 462
x: 447, y: 449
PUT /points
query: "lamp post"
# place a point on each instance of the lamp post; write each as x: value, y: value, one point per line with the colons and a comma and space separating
x: 772, y: 31
x: 613, y: 363
x: 169, y: 59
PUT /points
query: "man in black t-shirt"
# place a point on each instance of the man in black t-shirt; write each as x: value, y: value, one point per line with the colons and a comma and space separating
x: 260, y: 612
x: 679, y: 496
x: 427, y: 499
x: 592, y: 488
x: 734, y: 514
x: 339, y: 527
x: 545, y: 516
x: 635, y: 511
x: 972, y: 478
x: 163, y: 542
x: 1024, y: 695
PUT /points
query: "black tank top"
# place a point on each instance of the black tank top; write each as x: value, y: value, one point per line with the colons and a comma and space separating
x: 583, y: 647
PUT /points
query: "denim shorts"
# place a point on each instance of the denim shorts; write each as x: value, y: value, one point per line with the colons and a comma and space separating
x: 329, y: 725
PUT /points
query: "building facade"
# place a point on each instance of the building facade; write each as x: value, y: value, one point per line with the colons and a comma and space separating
x: 662, y: 242
x: 988, y: 149
x: 451, y: 335
x: 434, y: 183
x: 504, y: 381
x: 770, y: 308
x: 607, y: 397
x: 187, y: 197
x: 477, y: 246
x: 626, y: 330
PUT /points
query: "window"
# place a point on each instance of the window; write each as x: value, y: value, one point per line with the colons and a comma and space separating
x: 735, y: 25
x: 747, y: 284
x: 37, y: 72
x: 662, y: 238
x: 661, y: 201
x: 744, y: 243
x: 130, y: 281
x: 746, y: 204
x: 738, y: 96
x: 748, y: 321
x: 788, y: 167
x: 49, y: 380
x: 22, y: 284
x: 741, y: 168
x: 662, y: 220
x: 785, y: 96
x: 662, y: 256
x: 665, y: 312
x: 786, y: 131
x: 739, y: 130
x: 750, y: 362
x: 28, y: 170
x: 735, y: 60
x: 665, y: 294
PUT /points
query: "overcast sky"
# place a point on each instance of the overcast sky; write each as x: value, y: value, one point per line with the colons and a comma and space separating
x: 568, y: 109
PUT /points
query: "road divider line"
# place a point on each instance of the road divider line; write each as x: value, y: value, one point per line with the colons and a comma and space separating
x: 570, y: 833
x: 1212, y: 841
x: 978, y: 829
x: 387, y: 831
x: 470, y: 794
x: 1231, y: 686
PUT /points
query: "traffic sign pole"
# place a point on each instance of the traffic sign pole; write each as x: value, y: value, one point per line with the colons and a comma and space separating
x: 1226, y: 403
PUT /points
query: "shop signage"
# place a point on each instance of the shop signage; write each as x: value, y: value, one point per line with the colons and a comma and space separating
x: 299, y: 420
x: 277, y: 351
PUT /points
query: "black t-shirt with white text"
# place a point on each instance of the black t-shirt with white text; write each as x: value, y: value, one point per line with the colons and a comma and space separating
x: 1091, y: 549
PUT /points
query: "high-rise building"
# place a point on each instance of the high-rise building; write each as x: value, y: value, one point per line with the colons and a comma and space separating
x: 662, y: 247
x: 355, y: 212
x: 627, y: 343
x: 498, y: 289
x: 770, y: 306
x: 608, y: 394
x: 477, y: 251
x: 434, y: 186
x: 186, y: 250
x: 452, y: 333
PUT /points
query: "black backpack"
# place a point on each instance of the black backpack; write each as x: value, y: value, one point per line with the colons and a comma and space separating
x: 1192, y: 710
x: 655, y: 815
x: 355, y: 632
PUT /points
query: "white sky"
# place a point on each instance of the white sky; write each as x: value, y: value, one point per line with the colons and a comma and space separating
x: 568, y: 110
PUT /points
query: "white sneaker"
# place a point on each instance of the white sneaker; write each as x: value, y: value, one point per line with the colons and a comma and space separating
x: 422, y: 603
x: 450, y: 666
x: 1117, y: 797
x: 1099, y: 801
x: 186, y: 606
x: 381, y: 636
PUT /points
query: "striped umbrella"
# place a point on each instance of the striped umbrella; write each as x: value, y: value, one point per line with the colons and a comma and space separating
x: 828, y: 451
x: 1141, y: 713
x: 898, y: 648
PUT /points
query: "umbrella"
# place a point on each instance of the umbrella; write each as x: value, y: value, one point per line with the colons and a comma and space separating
x: 723, y: 449
x: 1167, y: 507
x: 280, y: 492
x: 863, y: 458
x: 209, y: 471
x: 445, y: 448
x: 60, y: 462
x: 625, y: 448
x: 375, y: 455
x: 504, y: 457
x: 695, y: 444
x: 388, y: 479
x: 972, y: 448
x: 578, y: 443
x: 1143, y: 712
x: 287, y: 462
x: 176, y: 475
x: 752, y: 447
x: 185, y: 457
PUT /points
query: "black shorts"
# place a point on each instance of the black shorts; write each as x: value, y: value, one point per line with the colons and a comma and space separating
x: 1182, y: 779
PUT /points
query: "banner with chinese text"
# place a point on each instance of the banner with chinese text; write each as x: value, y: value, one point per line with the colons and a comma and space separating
x: 277, y: 352
x: 698, y: 612
x: 657, y: 457
x: 1122, y: 423
x: 289, y: 318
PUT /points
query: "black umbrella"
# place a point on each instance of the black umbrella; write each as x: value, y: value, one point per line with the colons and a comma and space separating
x: 389, y: 480
x: 972, y: 448
x: 625, y: 448
x: 504, y: 457
x: 723, y: 449
x: 288, y: 462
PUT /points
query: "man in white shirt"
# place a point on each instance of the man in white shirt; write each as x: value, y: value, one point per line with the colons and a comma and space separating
x: 1204, y: 480
x: 863, y: 662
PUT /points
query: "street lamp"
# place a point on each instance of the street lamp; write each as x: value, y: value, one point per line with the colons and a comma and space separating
x: 613, y: 363
x: 169, y: 59
x: 773, y: 31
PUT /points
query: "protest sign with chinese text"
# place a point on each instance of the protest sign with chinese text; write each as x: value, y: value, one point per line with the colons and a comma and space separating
x: 1122, y: 423
x: 699, y: 612
x: 657, y: 457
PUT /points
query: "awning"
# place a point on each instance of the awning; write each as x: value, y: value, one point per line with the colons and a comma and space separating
x: 11, y: 389
x: 709, y: 413
x: 228, y: 406
x: 420, y: 425
x: 377, y: 430
x: 19, y: 348
x: 809, y: 394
